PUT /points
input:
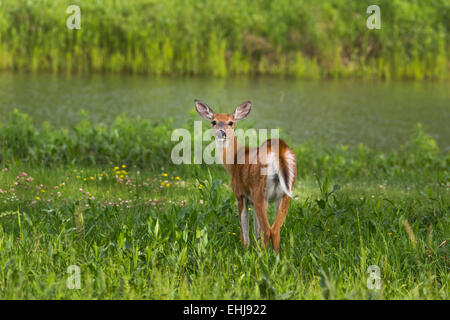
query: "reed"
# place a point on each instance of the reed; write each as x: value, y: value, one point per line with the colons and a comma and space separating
x: 304, y: 39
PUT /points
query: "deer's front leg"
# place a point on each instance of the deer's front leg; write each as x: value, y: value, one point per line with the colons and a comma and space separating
x: 256, y: 226
x: 243, y: 219
x: 259, y: 202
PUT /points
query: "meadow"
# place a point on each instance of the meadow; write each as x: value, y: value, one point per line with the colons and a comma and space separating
x: 303, y: 39
x: 107, y: 199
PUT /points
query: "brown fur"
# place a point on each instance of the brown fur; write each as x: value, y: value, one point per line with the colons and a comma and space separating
x: 247, y: 182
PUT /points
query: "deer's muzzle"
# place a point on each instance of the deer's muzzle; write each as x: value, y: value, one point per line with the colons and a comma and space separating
x: 220, y: 135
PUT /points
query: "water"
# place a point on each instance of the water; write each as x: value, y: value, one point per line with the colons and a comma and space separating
x: 378, y: 114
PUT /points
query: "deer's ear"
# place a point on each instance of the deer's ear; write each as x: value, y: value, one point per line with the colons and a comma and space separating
x: 203, y: 110
x: 243, y: 110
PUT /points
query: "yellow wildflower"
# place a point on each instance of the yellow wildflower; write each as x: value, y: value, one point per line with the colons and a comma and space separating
x: 116, y: 168
x: 124, y: 166
x: 37, y: 198
x: 177, y: 178
x: 164, y: 174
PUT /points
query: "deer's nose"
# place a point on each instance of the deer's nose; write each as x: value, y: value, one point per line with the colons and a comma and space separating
x: 220, y: 134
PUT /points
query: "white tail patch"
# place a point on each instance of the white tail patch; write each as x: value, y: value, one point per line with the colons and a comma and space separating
x: 291, y: 165
x: 273, y: 167
x: 284, y: 186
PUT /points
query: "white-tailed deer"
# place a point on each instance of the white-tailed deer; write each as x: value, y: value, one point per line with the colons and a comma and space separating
x: 262, y: 174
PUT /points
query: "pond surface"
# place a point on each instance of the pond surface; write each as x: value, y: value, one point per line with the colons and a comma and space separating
x: 378, y: 114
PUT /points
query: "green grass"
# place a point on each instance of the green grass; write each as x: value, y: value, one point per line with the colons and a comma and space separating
x: 153, y: 236
x: 134, y: 248
x: 305, y: 39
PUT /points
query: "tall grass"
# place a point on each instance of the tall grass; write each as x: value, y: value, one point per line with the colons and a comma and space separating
x: 193, y: 251
x: 147, y: 144
x: 306, y: 39
x: 106, y: 199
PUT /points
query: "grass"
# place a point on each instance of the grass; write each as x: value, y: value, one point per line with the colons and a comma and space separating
x: 141, y: 240
x: 320, y: 39
x: 172, y: 232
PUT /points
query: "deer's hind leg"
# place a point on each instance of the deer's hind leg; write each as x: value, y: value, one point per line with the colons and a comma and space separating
x: 282, y: 210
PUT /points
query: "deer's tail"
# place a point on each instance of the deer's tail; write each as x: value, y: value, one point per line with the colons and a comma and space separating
x: 285, y: 167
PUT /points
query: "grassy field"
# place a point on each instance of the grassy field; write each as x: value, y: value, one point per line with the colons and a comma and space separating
x: 140, y: 228
x: 305, y: 39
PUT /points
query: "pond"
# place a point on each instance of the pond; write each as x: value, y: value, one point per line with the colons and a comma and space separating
x: 376, y: 113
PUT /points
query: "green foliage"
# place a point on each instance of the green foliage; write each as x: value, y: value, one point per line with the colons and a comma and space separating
x: 306, y: 39
x: 192, y: 251
x: 419, y: 157
x: 136, y: 141
x: 67, y: 198
x: 147, y: 144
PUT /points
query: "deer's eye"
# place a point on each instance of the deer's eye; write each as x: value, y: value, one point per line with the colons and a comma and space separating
x: 230, y: 123
x: 214, y: 122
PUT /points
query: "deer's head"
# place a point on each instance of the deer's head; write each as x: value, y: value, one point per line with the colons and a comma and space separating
x: 223, y: 123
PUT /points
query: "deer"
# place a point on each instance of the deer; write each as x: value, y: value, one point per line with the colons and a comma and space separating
x: 258, y: 174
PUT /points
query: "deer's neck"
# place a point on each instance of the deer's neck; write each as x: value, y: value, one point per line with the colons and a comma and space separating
x: 229, y: 154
